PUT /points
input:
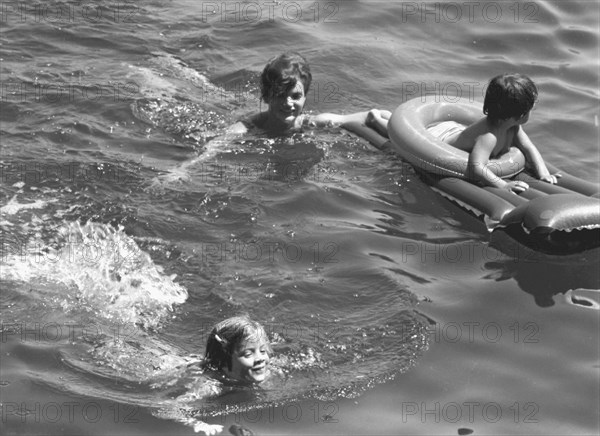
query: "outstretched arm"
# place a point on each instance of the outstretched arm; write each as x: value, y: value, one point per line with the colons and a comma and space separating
x: 480, y: 169
x: 376, y: 119
x: 211, y: 149
x: 533, y: 156
x: 327, y: 119
x: 183, y: 415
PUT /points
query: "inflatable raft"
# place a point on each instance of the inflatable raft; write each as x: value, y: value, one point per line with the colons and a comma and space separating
x: 561, y: 218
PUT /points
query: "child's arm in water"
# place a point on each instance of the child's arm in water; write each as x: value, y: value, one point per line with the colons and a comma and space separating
x: 211, y: 149
x: 207, y: 429
x: 198, y: 426
x: 479, y: 160
x: 374, y: 118
x: 328, y: 119
x: 378, y: 120
x: 533, y: 157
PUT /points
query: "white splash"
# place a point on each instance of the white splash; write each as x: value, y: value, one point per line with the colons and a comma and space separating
x: 99, y: 269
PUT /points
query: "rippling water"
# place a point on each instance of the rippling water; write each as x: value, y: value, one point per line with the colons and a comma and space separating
x: 391, y: 310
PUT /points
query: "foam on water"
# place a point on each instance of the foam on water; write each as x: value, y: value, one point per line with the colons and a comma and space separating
x: 97, y: 268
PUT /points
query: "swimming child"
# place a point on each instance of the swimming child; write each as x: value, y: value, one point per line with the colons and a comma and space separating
x: 237, y: 353
x: 284, y: 84
x: 508, y: 102
x: 239, y: 348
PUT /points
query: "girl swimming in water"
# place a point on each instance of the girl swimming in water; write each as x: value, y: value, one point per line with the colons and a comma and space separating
x: 239, y: 348
x: 237, y: 353
x: 284, y: 84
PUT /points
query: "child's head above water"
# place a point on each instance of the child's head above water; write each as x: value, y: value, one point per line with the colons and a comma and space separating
x: 509, y: 96
x: 239, y: 347
x: 282, y: 73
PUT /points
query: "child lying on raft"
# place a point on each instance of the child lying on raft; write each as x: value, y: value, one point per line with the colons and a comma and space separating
x: 284, y: 84
x: 508, y: 102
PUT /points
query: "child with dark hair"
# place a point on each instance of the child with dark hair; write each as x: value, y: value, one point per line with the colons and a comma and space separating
x: 508, y: 101
x: 284, y: 84
x: 508, y: 96
x: 281, y: 73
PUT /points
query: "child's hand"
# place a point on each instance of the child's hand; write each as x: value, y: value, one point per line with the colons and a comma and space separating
x: 378, y: 121
x: 516, y: 187
x: 208, y: 429
x: 550, y: 178
x: 377, y: 116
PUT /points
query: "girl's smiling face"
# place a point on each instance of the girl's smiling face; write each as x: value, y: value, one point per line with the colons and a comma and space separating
x: 250, y: 362
x: 285, y: 108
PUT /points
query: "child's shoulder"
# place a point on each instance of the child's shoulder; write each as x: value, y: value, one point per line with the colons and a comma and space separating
x: 256, y: 120
x: 247, y: 123
x: 472, y: 136
x: 480, y: 129
x: 259, y: 119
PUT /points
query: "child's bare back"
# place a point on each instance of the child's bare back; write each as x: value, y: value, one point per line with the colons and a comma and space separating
x: 499, y: 140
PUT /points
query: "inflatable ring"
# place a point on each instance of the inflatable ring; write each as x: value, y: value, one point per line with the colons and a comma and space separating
x: 408, y: 126
x: 557, y: 218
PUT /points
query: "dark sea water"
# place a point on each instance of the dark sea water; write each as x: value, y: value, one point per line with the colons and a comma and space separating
x: 390, y: 309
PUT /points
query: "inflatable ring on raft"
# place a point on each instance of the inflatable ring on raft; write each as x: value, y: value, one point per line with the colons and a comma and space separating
x: 408, y: 126
x: 560, y: 218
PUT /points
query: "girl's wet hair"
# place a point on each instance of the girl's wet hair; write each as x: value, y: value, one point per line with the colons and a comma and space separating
x: 227, y: 335
x: 281, y: 74
x: 508, y: 96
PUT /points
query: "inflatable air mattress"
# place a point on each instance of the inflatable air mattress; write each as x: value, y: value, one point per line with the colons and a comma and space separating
x: 561, y: 218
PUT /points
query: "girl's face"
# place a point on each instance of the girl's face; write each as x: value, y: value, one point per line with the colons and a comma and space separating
x: 287, y: 107
x: 250, y: 362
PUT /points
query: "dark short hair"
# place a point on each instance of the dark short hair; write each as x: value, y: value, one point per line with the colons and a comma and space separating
x: 508, y: 96
x: 282, y: 73
x: 227, y: 335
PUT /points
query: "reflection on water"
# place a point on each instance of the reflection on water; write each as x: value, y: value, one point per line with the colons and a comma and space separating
x: 543, y: 275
